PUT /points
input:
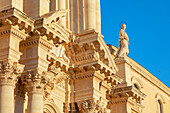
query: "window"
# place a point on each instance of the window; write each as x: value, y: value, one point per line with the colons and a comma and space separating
x: 136, y: 86
x: 160, y: 110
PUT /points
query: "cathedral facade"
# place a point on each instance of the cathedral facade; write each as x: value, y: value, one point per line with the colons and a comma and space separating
x: 53, y: 59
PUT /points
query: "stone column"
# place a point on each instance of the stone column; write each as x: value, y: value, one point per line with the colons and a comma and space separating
x: 98, y: 16
x: 6, y: 98
x: 19, y: 98
x: 35, y: 94
x: 35, y: 102
x: 61, y: 6
x: 90, y: 14
x: 8, y: 75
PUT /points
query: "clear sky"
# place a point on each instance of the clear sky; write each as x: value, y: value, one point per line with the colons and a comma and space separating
x: 148, y: 28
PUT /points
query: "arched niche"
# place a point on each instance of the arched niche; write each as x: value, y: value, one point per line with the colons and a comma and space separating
x: 50, y: 107
x: 160, y: 98
x: 159, y: 103
x: 136, y: 82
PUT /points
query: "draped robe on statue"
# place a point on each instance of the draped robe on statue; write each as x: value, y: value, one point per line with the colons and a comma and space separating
x: 123, y: 44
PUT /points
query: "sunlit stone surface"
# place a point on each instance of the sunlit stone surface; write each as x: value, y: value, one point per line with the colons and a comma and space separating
x: 53, y: 59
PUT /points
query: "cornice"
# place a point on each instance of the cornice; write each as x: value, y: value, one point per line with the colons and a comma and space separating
x: 16, y: 13
x: 18, y: 34
x: 128, y: 91
x: 36, y: 41
x: 143, y: 72
x: 149, y: 78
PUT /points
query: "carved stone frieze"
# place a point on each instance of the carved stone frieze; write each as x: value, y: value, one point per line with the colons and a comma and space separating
x: 91, y: 106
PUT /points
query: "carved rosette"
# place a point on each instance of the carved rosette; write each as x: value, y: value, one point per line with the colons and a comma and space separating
x: 9, y: 72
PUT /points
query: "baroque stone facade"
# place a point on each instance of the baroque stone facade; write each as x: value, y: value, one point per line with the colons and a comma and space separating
x: 53, y: 59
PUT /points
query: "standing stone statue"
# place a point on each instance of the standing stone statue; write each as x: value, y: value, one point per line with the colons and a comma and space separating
x: 123, y: 43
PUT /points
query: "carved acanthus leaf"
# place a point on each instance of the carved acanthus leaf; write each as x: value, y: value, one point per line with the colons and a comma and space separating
x: 10, y: 71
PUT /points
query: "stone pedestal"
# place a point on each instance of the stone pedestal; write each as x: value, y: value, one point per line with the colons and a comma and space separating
x: 124, y: 70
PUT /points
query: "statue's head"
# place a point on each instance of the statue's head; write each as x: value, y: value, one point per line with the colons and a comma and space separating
x: 123, y: 26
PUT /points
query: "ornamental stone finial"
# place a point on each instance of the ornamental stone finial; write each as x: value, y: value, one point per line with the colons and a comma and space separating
x: 123, y: 43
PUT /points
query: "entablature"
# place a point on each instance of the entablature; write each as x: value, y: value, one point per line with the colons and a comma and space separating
x: 48, y: 25
x: 128, y: 91
x: 15, y: 17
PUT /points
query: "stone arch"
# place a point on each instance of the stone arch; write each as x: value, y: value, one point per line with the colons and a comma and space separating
x: 137, y: 81
x: 51, y: 107
x: 159, y: 103
x: 160, y: 98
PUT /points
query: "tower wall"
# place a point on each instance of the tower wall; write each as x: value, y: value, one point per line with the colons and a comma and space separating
x: 6, y: 4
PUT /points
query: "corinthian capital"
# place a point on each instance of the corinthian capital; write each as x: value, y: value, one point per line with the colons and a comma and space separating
x: 9, y: 72
x: 35, y: 81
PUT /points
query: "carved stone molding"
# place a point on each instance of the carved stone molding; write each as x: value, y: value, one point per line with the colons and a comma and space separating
x: 91, y: 106
x: 128, y: 91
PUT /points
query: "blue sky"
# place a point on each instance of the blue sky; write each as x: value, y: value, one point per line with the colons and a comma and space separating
x: 148, y: 28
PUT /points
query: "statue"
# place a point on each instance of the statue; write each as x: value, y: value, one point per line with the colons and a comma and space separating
x: 123, y: 43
